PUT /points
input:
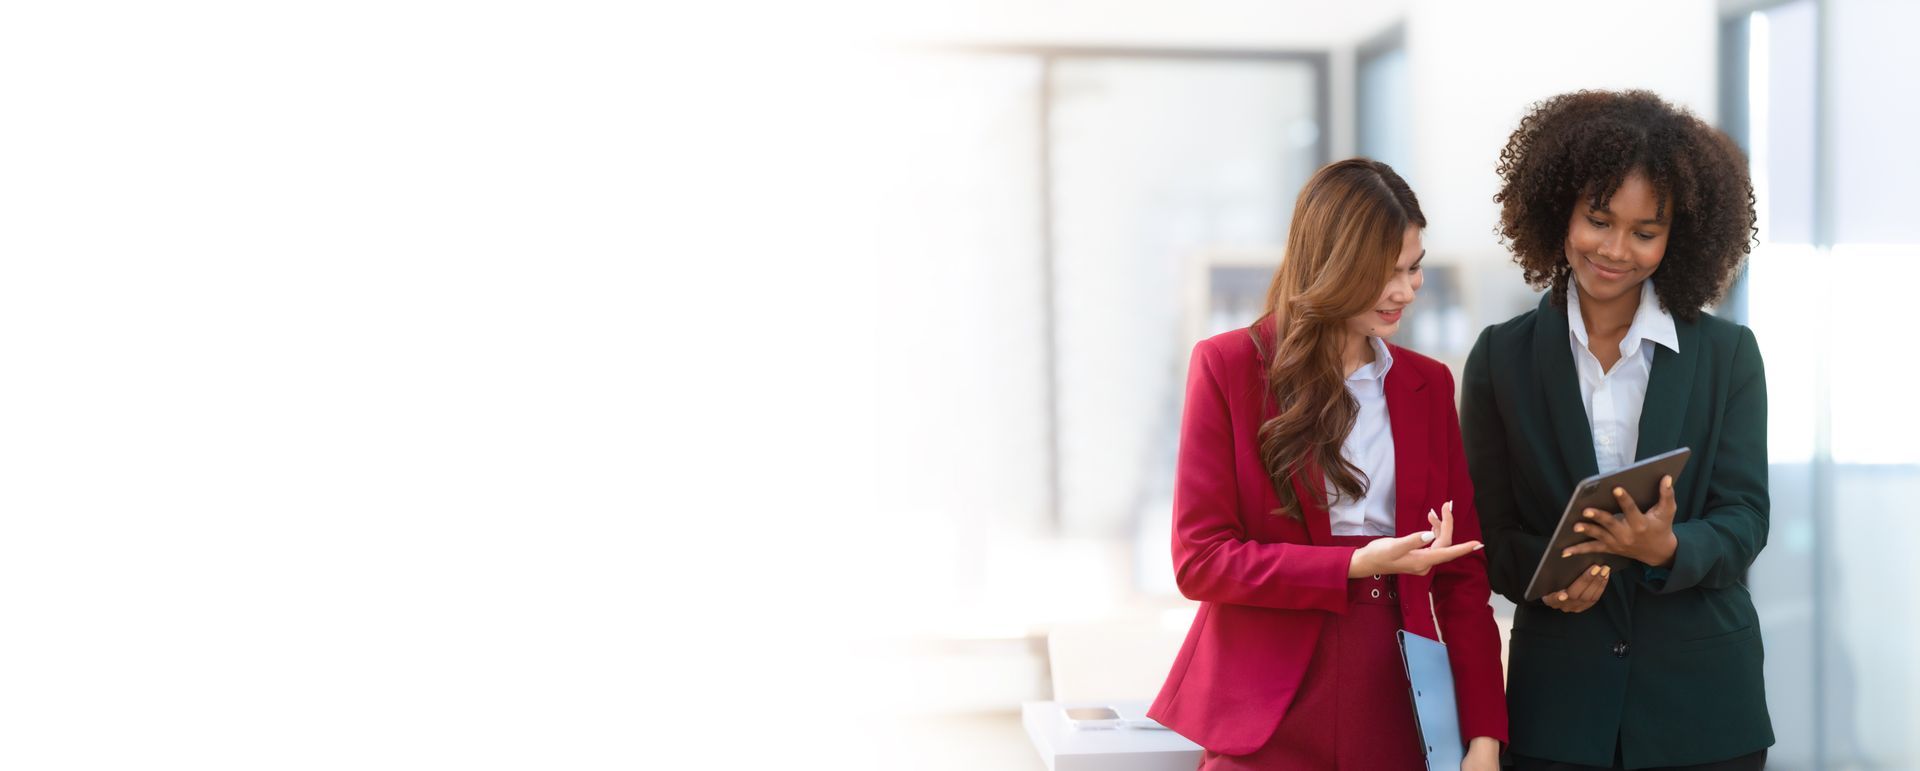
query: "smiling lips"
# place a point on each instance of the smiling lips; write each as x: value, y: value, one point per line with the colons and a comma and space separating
x: 1610, y: 275
x: 1392, y: 315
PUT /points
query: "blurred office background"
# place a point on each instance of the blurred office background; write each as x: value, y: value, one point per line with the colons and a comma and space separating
x: 1077, y: 191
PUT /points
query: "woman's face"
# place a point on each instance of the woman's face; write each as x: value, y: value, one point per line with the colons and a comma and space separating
x: 1383, y: 319
x: 1612, y: 250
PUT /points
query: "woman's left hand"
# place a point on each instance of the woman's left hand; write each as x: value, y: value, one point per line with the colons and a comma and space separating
x: 1483, y: 754
x: 1645, y: 537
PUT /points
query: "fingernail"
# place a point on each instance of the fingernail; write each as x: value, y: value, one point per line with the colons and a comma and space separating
x: 1563, y: 596
x: 1427, y: 537
x: 1594, y: 571
x: 1606, y: 571
x: 1588, y: 513
x: 1479, y: 546
x: 1566, y: 552
x: 1619, y: 491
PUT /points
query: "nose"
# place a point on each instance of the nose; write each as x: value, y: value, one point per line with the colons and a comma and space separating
x: 1400, y: 289
x: 1613, y: 248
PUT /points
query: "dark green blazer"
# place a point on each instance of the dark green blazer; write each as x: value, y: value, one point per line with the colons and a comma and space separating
x: 1669, y: 661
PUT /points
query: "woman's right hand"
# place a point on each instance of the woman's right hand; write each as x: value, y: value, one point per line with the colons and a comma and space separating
x: 1415, y: 553
x: 1583, y: 593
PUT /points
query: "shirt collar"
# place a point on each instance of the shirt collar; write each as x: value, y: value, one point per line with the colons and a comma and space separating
x: 1650, y: 321
x: 1376, y: 369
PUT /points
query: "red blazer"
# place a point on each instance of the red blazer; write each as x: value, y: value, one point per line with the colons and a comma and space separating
x: 1266, y: 582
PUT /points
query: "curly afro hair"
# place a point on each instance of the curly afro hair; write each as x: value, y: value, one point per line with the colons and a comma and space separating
x: 1584, y: 144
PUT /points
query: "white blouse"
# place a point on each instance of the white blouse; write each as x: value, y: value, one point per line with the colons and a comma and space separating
x: 1613, y: 398
x: 1369, y: 448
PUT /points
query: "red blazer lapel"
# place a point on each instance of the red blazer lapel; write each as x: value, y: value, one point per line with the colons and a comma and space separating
x: 1410, y: 423
x: 1319, y: 523
x: 1411, y: 418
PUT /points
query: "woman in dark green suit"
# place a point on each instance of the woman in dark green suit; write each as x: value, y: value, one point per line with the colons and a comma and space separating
x: 1634, y: 215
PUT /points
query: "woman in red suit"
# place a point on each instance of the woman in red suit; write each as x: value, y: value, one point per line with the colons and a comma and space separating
x: 1322, y: 503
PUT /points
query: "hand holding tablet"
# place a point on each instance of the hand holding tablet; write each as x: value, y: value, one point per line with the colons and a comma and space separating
x: 1632, y: 511
x: 1644, y: 537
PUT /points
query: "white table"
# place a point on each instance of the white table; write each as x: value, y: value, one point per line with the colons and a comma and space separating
x: 1065, y: 748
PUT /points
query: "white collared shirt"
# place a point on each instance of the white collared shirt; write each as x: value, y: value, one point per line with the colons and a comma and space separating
x: 1613, y: 399
x: 1369, y: 448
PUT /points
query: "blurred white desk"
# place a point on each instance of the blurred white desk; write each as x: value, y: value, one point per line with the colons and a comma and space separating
x: 1065, y: 748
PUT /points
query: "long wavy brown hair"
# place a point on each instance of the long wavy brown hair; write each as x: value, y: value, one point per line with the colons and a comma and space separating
x: 1348, y: 227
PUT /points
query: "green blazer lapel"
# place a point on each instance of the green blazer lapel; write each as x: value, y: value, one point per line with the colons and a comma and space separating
x: 1560, y: 389
x: 1665, y: 407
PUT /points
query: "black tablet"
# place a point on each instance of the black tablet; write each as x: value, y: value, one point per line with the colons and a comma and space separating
x: 1642, y: 482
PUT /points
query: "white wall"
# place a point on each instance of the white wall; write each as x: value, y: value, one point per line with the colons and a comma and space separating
x: 1290, y: 25
x: 1202, y: 23
x: 1476, y: 67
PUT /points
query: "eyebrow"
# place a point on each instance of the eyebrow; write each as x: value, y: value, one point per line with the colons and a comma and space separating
x: 1591, y: 209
